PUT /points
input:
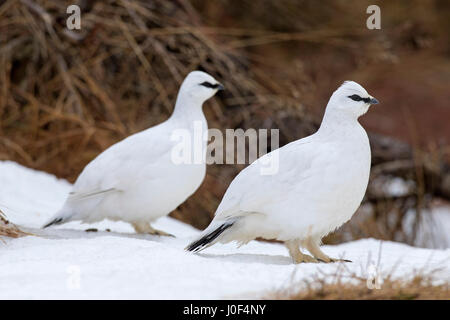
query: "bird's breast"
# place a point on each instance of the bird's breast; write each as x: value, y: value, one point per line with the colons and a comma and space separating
x: 330, y: 193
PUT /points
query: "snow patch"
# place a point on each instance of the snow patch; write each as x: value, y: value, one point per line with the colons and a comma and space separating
x: 66, y: 262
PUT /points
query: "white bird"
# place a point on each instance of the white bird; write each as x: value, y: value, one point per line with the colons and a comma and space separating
x: 321, y: 181
x: 137, y: 180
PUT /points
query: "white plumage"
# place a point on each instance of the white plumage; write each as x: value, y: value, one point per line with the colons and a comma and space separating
x: 320, y: 183
x: 136, y: 179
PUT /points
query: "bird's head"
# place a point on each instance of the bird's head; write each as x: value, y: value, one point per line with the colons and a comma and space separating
x: 199, y: 86
x: 351, y: 99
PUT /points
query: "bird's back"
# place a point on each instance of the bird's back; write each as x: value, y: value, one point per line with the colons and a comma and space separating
x: 134, y: 179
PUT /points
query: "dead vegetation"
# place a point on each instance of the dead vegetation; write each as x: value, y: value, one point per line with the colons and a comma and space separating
x: 8, y: 229
x: 67, y: 95
x: 418, y: 288
x: 370, y: 283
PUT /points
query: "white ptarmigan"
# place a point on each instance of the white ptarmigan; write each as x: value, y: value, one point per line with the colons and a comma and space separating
x: 137, y: 180
x: 320, y: 182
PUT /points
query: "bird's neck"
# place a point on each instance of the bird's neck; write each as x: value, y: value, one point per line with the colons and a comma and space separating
x: 187, y: 109
x: 188, y: 115
x: 189, y: 121
x: 334, y: 122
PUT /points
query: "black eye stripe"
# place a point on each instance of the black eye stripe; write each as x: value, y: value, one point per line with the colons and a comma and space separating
x: 355, y: 97
x: 209, y: 85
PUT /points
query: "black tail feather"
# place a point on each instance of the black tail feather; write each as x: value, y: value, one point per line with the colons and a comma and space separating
x: 55, y: 221
x: 210, y: 237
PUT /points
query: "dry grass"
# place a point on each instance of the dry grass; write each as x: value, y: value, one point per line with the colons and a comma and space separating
x: 370, y: 283
x: 418, y: 288
x: 8, y: 229
x: 424, y: 283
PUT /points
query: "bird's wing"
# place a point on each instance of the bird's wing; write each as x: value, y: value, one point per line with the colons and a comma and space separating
x: 251, y: 190
x: 120, y: 165
x: 73, y: 196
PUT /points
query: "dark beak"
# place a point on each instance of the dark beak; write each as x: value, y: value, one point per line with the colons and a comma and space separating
x: 220, y: 87
x: 374, y: 101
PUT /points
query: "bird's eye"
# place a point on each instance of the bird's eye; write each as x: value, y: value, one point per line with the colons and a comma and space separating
x: 355, y: 97
x: 209, y: 85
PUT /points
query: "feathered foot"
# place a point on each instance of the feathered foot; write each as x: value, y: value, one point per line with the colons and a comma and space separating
x: 146, y: 228
x: 296, y: 255
x: 314, y: 248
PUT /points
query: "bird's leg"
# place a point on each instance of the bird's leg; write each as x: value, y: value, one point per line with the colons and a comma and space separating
x: 145, y: 227
x: 157, y: 232
x: 295, y: 253
x: 314, y: 248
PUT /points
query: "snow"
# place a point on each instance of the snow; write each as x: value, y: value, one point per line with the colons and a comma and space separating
x: 68, y: 263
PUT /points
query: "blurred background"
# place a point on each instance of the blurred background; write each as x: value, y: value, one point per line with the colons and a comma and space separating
x: 66, y: 95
